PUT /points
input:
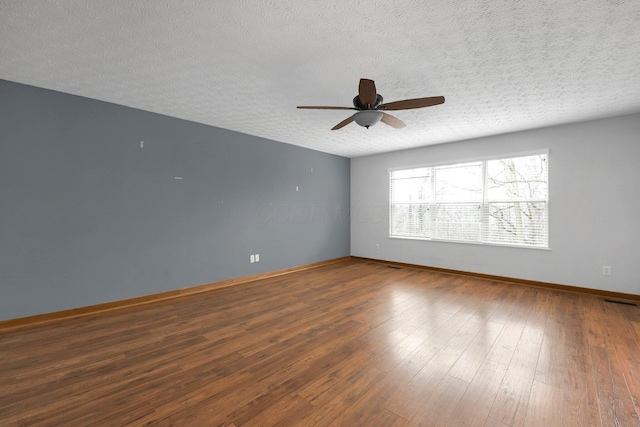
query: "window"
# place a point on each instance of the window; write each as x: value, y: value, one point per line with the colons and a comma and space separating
x: 497, y: 201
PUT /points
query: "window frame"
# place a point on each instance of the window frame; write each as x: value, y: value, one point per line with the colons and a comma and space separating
x: 484, y: 203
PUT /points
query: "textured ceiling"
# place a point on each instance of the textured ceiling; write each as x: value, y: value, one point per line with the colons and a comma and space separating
x: 245, y: 65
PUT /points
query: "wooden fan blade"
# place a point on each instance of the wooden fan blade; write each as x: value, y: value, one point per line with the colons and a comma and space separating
x: 343, y: 123
x: 409, y: 104
x: 392, y: 121
x: 324, y: 108
x: 367, y: 92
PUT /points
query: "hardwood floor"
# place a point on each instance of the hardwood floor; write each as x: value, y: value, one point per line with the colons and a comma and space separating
x: 351, y: 344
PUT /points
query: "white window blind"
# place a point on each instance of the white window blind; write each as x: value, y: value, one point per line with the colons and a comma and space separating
x: 412, y: 192
x: 498, y: 201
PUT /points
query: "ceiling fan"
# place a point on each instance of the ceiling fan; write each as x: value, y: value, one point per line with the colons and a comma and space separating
x: 370, y: 109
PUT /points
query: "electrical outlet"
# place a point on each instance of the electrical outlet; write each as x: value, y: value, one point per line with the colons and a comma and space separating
x: 252, y: 258
x: 257, y: 257
x: 377, y: 245
x: 606, y: 270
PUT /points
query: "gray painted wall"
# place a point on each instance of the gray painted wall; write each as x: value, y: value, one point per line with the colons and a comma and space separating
x: 594, y: 203
x: 87, y: 216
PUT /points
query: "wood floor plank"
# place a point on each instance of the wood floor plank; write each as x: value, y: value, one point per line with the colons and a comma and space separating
x: 538, y: 313
x: 635, y: 329
x: 440, y: 404
x: 615, y: 403
x: 474, y: 406
x: 355, y: 343
x: 545, y: 406
x: 580, y: 404
x: 438, y: 361
x: 386, y: 419
x: 491, y: 422
x: 399, y: 377
x: 510, y: 405
x: 408, y: 398
x: 592, y: 319
x: 337, y: 366
x: 287, y: 411
x: 475, y: 354
x: 369, y: 409
x: 629, y: 359
x: 505, y: 344
x: 619, y: 318
x: 345, y: 393
x: 551, y: 365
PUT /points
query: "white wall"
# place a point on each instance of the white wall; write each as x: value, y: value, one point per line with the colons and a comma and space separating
x: 594, y: 207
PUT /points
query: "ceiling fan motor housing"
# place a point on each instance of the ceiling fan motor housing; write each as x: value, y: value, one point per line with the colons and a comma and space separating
x: 360, y: 106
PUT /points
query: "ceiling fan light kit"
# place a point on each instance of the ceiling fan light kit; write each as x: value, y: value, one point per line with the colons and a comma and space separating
x: 370, y: 109
x: 367, y: 118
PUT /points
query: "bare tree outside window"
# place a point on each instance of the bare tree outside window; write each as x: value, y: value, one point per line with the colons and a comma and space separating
x: 517, y: 200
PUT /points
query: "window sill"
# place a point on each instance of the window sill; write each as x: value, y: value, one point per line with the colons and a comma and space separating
x: 502, y: 245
